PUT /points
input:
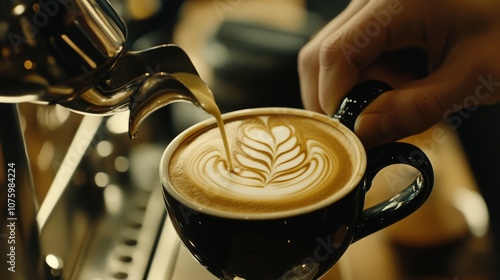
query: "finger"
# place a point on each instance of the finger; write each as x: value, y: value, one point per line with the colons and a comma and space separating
x: 419, y: 105
x: 377, y: 28
x: 308, y: 63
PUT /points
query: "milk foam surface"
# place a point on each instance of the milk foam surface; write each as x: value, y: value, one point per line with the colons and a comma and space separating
x: 281, y: 163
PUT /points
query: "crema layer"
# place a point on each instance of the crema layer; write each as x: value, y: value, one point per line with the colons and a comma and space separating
x: 281, y: 163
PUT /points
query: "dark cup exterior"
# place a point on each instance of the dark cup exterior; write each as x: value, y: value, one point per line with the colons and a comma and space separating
x: 304, y: 245
x: 307, y: 244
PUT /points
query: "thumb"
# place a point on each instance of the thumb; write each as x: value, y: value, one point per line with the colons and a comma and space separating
x: 397, y: 114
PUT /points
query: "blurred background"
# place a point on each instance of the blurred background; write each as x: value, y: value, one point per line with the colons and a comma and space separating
x: 101, y: 212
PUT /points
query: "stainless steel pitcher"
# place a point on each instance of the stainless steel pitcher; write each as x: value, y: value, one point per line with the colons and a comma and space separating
x: 71, y: 53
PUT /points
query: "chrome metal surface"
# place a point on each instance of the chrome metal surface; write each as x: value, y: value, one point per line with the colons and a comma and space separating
x: 102, y: 214
x: 122, y: 242
x: 68, y: 213
x: 19, y: 234
x: 58, y: 48
x: 166, y: 253
x: 104, y: 210
x: 54, y: 266
x: 135, y: 79
x: 72, y: 53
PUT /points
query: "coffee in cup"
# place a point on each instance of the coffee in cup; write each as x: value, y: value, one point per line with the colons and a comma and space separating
x: 293, y: 201
x: 283, y: 162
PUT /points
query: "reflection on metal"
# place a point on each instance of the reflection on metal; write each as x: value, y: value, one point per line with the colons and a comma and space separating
x: 54, y: 267
x: 19, y: 232
x: 107, y: 226
x: 80, y: 52
x: 75, y: 152
x: 79, y: 60
x: 101, y: 215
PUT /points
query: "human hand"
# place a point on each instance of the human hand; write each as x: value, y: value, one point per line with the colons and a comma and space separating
x: 460, y: 37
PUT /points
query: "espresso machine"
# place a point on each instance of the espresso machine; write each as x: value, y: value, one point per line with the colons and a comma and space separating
x: 70, y: 58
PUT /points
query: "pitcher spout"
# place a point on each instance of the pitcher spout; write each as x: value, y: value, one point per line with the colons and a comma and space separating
x: 142, y: 82
x: 77, y: 59
x: 157, y: 91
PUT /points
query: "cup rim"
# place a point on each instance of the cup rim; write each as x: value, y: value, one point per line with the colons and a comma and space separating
x: 358, y: 170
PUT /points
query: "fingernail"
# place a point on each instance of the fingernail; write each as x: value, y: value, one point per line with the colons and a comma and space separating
x: 372, y: 128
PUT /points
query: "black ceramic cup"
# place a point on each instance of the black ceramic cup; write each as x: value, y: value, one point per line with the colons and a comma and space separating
x: 303, y: 243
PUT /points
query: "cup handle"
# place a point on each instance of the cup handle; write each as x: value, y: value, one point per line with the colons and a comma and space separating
x: 412, y: 197
x: 357, y: 99
x: 408, y: 200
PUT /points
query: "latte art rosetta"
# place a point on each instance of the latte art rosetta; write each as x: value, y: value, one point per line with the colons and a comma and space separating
x: 271, y: 161
x: 281, y: 162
